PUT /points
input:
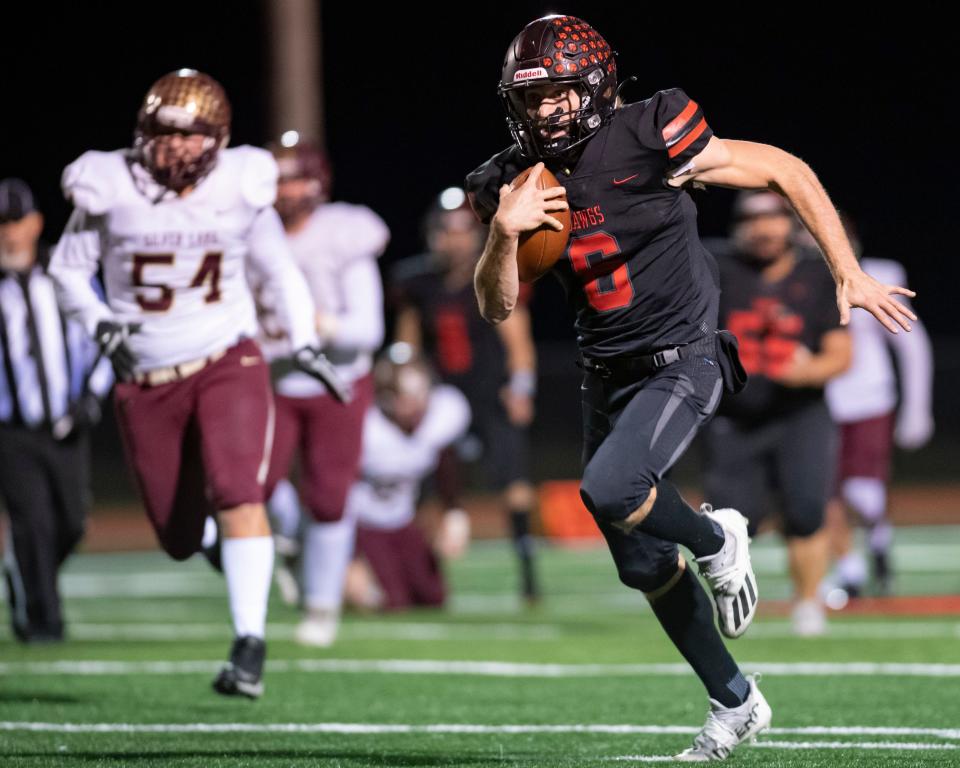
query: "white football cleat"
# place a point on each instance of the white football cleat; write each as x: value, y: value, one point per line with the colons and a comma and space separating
x: 318, y: 629
x: 727, y: 727
x: 809, y: 619
x: 730, y: 574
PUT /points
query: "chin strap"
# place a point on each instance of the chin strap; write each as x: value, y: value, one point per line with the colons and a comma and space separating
x: 626, y: 82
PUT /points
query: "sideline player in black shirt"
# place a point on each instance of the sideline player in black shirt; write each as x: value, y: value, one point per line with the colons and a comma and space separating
x: 493, y: 366
x: 777, y: 435
x: 645, y: 294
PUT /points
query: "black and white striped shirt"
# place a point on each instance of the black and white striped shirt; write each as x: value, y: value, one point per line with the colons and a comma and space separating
x: 46, y: 359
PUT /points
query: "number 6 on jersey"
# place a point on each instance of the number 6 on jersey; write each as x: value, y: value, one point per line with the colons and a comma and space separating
x: 601, y: 267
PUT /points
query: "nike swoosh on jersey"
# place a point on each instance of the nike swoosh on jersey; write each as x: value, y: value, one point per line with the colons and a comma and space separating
x: 248, y: 360
x: 618, y: 182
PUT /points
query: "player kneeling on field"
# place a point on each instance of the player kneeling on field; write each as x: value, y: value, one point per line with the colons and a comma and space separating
x: 412, y: 421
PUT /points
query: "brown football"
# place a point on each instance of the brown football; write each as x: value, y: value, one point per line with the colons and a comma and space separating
x: 539, y: 249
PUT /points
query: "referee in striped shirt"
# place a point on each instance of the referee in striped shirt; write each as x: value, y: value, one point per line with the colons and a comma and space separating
x: 48, y: 400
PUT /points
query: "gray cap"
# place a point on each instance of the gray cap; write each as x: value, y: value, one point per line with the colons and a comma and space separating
x: 16, y: 200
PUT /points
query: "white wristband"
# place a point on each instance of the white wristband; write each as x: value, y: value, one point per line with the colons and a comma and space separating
x: 523, y: 383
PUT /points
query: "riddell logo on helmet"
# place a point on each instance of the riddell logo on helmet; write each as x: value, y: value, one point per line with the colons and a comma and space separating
x: 529, y: 74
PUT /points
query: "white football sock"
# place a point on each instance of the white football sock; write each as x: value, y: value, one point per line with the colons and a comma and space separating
x: 880, y: 538
x: 852, y: 569
x: 284, y: 510
x: 327, y: 549
x: 248, y: 568
x: 867, y: 496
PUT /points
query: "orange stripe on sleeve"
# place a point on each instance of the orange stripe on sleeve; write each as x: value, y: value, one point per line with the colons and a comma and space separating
x: 691, y: 137
x: 677, y: 124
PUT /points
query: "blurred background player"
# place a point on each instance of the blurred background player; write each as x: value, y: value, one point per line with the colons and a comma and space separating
x: 864, y: 402
x: 776, y: 437
x: 495, y: 367
x: 175, y: 223
x: 336, y: 245
x: 403, y: 435
x: 50, y: 392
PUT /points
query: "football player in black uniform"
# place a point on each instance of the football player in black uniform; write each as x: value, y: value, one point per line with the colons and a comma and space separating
x: 777, y: 436
x: 494, y: 367
x: 645, y: 294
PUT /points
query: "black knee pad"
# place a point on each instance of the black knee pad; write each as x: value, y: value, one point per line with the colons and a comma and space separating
x: 647, y: 577
x: 607, y: 496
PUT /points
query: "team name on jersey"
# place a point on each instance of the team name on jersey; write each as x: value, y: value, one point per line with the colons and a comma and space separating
x: 588, y: 217
x: 174, y: 240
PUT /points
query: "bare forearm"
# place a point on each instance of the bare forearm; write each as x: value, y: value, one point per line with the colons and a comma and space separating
x: 823, y: 367
x: 800, y: 185
x: 517, y: 340
x: 836, y: 352
x: 496, y: 280
x: 748, y: 165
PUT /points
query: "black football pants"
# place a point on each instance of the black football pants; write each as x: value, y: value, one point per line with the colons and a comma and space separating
x: 790, y: 456
x: 634, y: 430
x: 44, y: 486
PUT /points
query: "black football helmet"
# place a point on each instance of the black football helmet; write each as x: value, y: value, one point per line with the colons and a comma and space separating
x: 558, y: 50
x: 186, y: 102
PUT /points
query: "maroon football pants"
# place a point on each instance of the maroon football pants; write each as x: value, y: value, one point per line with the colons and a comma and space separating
x: 406, y: 568
x: 329, y: 437
x: 198, y: 445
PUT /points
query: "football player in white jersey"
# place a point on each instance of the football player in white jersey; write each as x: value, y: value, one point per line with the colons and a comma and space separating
x: 873, y: 414
x: 336, y: 245
x: 175, y: 223
x: 403, y: 434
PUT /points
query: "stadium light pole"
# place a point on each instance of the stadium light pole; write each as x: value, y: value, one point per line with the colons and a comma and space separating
x: 296, y: 76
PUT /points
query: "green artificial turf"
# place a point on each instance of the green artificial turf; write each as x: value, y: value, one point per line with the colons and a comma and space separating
x: 137, y: 608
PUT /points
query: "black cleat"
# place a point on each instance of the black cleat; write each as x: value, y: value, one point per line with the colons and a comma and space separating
x: 529, y: 588
x: 243, y: 674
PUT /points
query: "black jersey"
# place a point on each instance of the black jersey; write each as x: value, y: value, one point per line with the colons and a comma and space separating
x: 771, y: 320
x: 635, y: 270
x: 466, y: 350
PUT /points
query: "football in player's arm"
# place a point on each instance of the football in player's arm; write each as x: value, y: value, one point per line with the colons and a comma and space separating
x: 644, y: 290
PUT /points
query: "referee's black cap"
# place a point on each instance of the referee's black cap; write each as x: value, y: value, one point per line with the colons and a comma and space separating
x: 16, y: 200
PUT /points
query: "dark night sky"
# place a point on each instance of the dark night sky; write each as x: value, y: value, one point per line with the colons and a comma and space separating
x: 411, y: 101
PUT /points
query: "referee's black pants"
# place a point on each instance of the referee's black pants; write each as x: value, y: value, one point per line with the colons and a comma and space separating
x: 44, y: 486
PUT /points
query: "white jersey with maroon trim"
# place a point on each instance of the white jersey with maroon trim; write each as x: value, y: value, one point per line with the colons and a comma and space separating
x: 337, y: 251
x: 178, y: 265
x: 868, y: 388
x: 394, y: 463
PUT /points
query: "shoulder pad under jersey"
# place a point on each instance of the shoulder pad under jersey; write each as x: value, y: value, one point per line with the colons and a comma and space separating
x: 92, y: 181
x: 255, y: 173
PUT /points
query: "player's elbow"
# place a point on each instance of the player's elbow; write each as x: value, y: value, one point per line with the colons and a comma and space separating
x: 495, y: 305
x: 495, y: 312
x: 789, y: 174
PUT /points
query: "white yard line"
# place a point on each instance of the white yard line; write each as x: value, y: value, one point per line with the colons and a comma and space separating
x: 431, y: 631
x: 482, y: 729
x: 912, y: 745
x: 806, y: 745
x: 349, y: 630
x: 862, y: 630
x: 481, y: 668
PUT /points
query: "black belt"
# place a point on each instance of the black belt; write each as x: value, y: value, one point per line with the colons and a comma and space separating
x: 606, y: 367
